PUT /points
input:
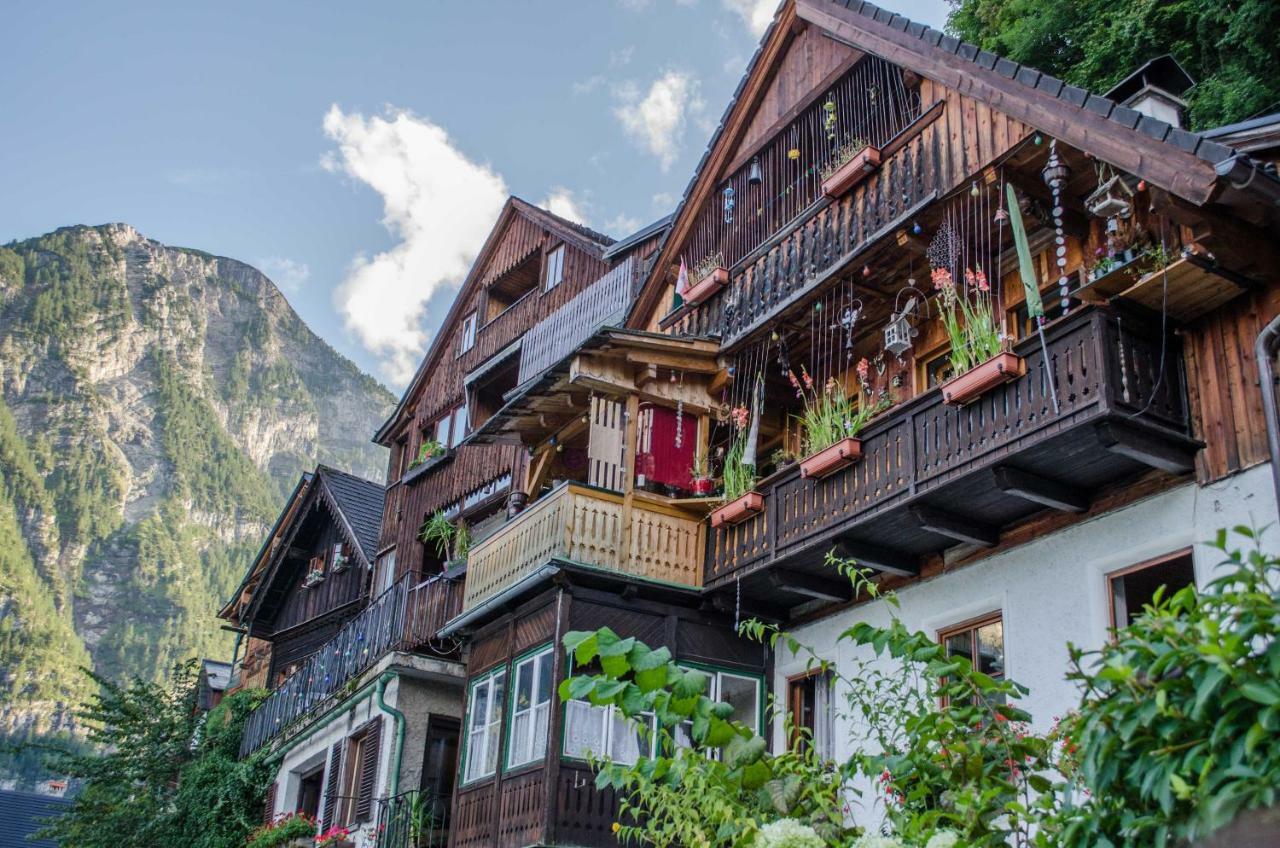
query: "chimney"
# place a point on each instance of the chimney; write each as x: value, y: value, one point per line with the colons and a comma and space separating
x: 1156, y: 90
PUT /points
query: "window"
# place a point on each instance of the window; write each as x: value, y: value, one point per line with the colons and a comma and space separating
x: 981, y: 639
x: 351, y: 780
x: 459, y: 429
x: 484, y: 725
x: 386, y: 574
x: 442, y: 430
x: 809, y: 700
x: 339, y: 555
x: 1134, y: 588
x: 554, y: 268
x: 739, y: 691
x: 937, y: 369
x: 605, y: 732
x: 1021, y: 322
x: 468, y: 339
x: 530, y: 709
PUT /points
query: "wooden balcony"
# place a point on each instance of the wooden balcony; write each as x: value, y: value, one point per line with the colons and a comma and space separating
x: 933, y: 476
x: 587, y: 526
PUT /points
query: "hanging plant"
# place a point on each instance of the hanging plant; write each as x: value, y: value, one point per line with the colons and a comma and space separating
x: 832, y: 419
x: 978, y: 348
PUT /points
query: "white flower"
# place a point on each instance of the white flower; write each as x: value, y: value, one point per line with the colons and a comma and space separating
x: 875, y: 840
x: 788, y: 833
x: 942, y: 839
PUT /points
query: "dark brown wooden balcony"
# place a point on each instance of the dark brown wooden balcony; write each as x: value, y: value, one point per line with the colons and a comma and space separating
x: 933, y: 476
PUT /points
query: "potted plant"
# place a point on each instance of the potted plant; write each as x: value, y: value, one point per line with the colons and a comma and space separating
x: 831, y: 420
x: 849, y: 165
x: 979, y: 357
x: 707, y: 278
x: 439, y: 531
x: 335, y: 837
x: 427, y: 451
x: 700, y: 473
x: 739, y: 478
x: 315, y: 572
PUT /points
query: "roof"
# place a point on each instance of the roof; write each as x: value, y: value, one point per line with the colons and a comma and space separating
x: 999, y: 82
x: 1163, y: 72
x: 582, y: 236
x: 260, y: 558
x: 217, y: 673
x: 640, y: 235
x: 360, y: 502
x: 22, y: 814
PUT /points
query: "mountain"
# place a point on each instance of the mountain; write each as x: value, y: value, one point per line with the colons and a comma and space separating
x: 156, y: 405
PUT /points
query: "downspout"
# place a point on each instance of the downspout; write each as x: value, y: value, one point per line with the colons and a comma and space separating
x: 399, y: 720
x: 1264, y: 350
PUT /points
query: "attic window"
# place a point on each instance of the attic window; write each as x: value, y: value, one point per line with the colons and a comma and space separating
x: 513, y: 286
x: 554, y: 269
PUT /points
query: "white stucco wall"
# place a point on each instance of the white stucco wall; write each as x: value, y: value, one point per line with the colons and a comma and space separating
x: 1051, y: 591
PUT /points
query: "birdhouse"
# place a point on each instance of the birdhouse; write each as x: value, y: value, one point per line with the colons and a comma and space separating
x: 897, y: 334
x: 1112, y: 199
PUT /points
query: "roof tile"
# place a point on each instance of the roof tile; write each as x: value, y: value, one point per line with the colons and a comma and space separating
x: 1126, y: 116
x: 1073, y: 95
x: 1049, y: 85
x: 1183, y: 139
x: 1154, y: 128
x: 1028, y: 76
x: 1099, y: 105
x: 967, y: 51
x: 1006, y: 68
x: 1212, y: 151
x: 987, y: 59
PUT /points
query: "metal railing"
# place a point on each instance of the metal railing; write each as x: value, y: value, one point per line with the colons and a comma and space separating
x: 404, y: 617
x: 413, y: 820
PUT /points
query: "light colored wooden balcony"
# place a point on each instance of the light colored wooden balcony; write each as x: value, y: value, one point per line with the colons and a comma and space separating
x: 587, y: 526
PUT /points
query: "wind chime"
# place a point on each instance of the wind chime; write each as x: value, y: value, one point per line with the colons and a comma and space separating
x: 1055, y: 175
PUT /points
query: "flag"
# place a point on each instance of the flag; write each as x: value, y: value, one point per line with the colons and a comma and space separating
x: 682, y: 283
x: 1035, y: 308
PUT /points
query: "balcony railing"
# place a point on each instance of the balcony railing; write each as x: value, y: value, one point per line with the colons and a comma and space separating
x: 932, y: 475
x: 413, y: 820
x: 587, y: 526
x: 404, y: 617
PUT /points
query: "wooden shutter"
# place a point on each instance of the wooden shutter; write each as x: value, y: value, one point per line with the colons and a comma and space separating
x: 268, y: 809
x: 368, y: 770
x: 332, y: 787
x: 604, y: 444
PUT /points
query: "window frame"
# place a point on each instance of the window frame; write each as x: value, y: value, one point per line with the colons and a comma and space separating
x: 1152, y: 562
x: 470, y: 329
x: 487, y: 679
x: 554, y: 257
x: 535, y: 656
x: 818, y: 677
x: 714, y: 689
x: 459, y: 425
x: 972, y: 626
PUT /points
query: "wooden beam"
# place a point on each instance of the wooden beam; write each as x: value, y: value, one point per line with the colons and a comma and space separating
x: 750, y: 608
x: 692, y: 363
x: 881, y: 559
x: 1146, y: 448
x: 538, y: 472
x: 1041, y: 490
x: 955, y: 526
x: 811, y: 585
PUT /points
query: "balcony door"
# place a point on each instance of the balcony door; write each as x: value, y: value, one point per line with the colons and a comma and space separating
x: 439, y: 770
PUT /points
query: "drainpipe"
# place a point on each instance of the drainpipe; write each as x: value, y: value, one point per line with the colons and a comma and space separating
x: 398, y: 716
x: 1264, y: 350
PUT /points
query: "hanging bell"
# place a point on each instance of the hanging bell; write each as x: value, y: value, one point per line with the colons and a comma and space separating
x: 754, y: 176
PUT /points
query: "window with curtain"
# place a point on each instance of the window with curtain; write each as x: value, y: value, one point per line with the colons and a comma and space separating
x: 484, y: 725
x: 591, y: 731
x: 530, y: 709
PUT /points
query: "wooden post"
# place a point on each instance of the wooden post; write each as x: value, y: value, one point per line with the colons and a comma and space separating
x: 629, y: 480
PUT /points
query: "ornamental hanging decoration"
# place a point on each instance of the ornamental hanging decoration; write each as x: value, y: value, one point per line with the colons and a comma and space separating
x: 1055, y: 175
x: 728, y: 204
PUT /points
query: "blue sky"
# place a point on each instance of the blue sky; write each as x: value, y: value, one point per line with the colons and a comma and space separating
x: 358, y: 153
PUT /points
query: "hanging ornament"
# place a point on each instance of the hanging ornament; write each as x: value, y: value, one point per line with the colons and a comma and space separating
x: 817, y: 307
x: 1001, y: 215
x: 755, y: 177
x: 793, y: 154
x: 773, y: 336
x: 916, y: 228
x: 679, y: 424
x: 829, y: 120
x: 973, y: 189
x: 1142, y: 185
x: 1055, y: 175
x: 1038, y: 140
x: 866, y: 270
x: 728, y: 204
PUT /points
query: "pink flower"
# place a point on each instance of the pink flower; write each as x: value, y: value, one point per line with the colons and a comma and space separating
x: 941, y: 279
x: 864, y: 368
x: 976, y: 279
x: 740, y: 415
x: 804, y: 375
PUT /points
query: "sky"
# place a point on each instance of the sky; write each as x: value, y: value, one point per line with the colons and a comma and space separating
x: 359, y: 153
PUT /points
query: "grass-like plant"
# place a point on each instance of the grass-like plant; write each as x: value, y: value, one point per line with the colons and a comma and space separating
x: 439, y: 531
x: 737, y: 477
x: 706, y: 266
x: 969, y: 317
x: 830, y: 414
x: 842, y: 156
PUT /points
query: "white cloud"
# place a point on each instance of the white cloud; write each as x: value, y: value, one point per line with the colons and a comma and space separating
x: 288, y: 274
x: 436, y: 201
x: 622, y: 56
x: 561, y: 201
x: 756, y: 14
x: 589, y: 84
x: 666, y: 201
x: 621, y: 225
x: 657, y: 119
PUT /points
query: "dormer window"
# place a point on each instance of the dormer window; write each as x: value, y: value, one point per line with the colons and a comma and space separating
x: 553, y: 269
x: 468, y: 339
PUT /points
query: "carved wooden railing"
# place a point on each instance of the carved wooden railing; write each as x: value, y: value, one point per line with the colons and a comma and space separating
x: 821, y: 241
x: 1101, y: 367
x: 580, y: 524
x: 405, y: 617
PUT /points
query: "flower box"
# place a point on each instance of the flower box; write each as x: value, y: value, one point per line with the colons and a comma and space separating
x: 970, y: 385
x: 738, y: 509
x: 707, y: 285
x: 852, y: 172
x: 313, y: 578
x: 831, y: 459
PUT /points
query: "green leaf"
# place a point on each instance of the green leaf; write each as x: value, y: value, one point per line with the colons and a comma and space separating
x: 1267, y: 694
x: 743, y: 750
x: 784, y: 793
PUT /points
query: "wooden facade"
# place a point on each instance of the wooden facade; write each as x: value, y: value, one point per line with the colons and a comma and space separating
x: 553, y: 800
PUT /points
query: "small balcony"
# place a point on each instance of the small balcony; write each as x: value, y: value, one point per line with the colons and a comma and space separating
x: 406, y: 617
x: 583, y: 525
x: 933, y: 476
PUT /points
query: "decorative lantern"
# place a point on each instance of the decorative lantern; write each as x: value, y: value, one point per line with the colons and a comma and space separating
x: 728, y: 204
x: 898, y: 333
x: 754, y: 176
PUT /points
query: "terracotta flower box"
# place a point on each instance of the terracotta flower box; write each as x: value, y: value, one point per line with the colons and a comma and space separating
x: 707, y: 286
x: 831, y: 459
x: 852, y: 172
x: 970, y: 385
x: 738, y: 509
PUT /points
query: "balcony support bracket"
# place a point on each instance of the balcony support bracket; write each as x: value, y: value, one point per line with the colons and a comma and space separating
x: 811, y: 585
x: 954, y: 526
x: 874, y: 556
x: 1041, y: 490
x: 1146, y: 448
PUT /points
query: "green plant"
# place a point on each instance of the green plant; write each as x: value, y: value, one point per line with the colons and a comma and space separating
x: 842, y: 156
x: 706, y: 266
x: 701, y: 468
x: 282, y: 831
x: 1156, y: 259
x: 1105, y: 265
x: 439, y: 531
x: 737, y: 477
x: 422, y: 818
x: 429, y: 449
x: 1178, y: 730
x: 969, y: 317
x: 461, y: 541
x: 831, y: 414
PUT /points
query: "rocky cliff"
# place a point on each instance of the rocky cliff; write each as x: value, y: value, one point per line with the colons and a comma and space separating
x: 156, y: 405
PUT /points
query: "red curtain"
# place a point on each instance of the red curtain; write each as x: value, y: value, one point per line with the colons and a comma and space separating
x: 658, y: 458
